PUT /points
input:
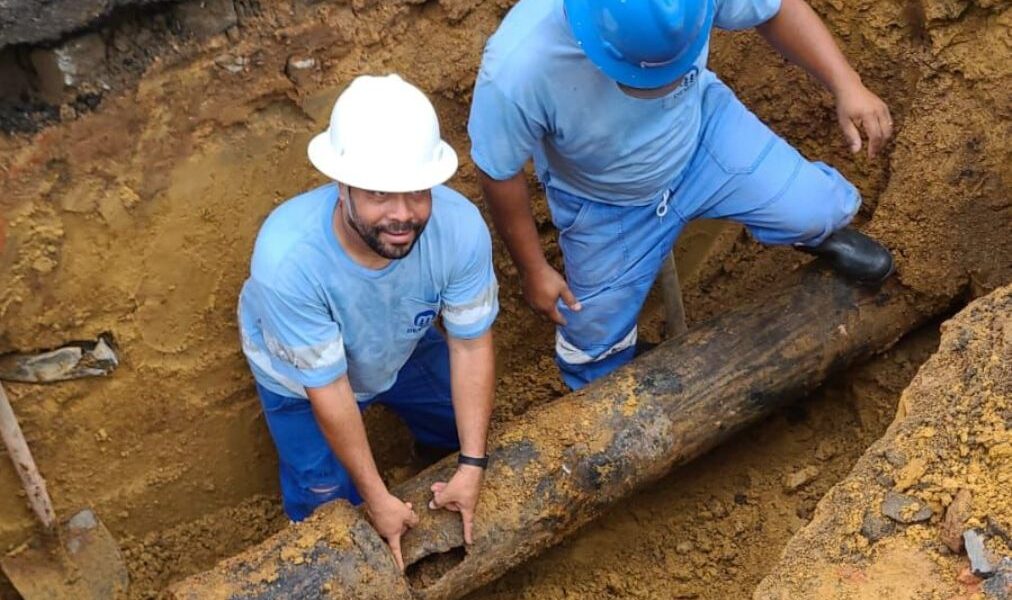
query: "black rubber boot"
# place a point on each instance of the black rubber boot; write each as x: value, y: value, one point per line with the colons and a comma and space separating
x: 856, y: 256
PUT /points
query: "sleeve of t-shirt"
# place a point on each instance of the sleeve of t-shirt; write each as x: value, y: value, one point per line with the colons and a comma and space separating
x: 471, y: 297
x: 742, y: 14
x: 503, y: 134
x: 303, y: 340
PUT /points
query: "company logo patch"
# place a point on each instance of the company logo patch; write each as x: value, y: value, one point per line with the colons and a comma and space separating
x: 422, y: 320
x: 688, y: 80
x: 425, y: 318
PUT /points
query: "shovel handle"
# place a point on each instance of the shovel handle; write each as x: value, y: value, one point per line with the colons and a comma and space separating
x: 671, y: 291
x: 24, y: 464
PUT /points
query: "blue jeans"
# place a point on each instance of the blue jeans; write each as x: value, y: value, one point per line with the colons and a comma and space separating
x: 310, y: 473
x: 741, y: 171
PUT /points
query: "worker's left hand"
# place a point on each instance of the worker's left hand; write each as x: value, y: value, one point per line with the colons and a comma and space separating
x: 460, y: 494
x: 857, y: 107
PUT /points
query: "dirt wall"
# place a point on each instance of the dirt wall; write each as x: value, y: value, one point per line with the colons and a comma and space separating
x: 138, y: 219
x: 893, y: 526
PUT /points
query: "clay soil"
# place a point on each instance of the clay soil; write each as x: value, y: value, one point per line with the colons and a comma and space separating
x: 949, y: 454
x: 138, y: 218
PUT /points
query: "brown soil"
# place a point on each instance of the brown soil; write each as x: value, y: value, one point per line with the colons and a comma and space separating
x: 139, y: 218
x: 952, y: 436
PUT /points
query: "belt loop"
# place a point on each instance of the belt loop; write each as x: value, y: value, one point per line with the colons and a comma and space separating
x: 662, y: 208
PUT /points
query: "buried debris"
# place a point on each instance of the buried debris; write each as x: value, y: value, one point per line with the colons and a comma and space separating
x: 999, y: 585
x: 980, y: 564
x: 565, y: 463
x: 905, y: 509
x: 875, y: 527
x: 73, y: 361
x: 954, y: 524
x: 800, y: 479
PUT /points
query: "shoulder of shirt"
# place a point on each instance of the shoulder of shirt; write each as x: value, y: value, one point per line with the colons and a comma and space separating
x: 455, y: 218
x: 288, y: 232
x: 452, y: 208
x: 516, y: 48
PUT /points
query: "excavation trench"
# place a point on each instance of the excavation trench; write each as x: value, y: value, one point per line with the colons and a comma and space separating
x: 135, y: 212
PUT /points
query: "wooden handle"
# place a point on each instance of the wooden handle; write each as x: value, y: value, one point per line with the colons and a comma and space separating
x: 35, y: 485
x: 671, y: 290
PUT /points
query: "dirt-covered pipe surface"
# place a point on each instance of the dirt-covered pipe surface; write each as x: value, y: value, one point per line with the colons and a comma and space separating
x: 565, y: 463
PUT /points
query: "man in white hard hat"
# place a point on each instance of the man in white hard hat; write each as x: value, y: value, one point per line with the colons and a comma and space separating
x: 346, y: 284
x: 633, y: 136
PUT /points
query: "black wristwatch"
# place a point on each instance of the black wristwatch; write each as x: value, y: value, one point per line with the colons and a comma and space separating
x: 482, y: 462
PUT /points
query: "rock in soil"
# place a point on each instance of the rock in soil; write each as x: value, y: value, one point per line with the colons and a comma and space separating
x: 954, y: 524
x: 905, y: 509
x: 799, y: 479
x: 999, y: 586
x: 875, y: 527
x: 980, y: 564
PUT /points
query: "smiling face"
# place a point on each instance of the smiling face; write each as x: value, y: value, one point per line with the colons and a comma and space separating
x: 388, y: 223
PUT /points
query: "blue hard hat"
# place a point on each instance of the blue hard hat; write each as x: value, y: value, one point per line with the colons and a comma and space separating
x: 641, y: 43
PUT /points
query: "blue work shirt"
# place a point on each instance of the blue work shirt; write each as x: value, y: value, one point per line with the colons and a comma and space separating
x: 538, y: 94
x: 309, y: 313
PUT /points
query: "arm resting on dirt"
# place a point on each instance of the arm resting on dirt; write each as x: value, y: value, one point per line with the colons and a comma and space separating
x: 340, y: 420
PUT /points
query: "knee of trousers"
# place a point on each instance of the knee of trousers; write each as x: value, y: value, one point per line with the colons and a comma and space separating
x: 606, y: 324
x: 818, y: 202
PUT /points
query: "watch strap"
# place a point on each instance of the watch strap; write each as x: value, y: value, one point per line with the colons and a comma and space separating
x: 463, y: 459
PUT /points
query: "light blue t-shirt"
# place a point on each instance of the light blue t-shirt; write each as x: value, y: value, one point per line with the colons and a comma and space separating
x: 309, y: 313
x: 537, y: 94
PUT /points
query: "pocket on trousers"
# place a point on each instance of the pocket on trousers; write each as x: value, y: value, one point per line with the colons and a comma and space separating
x: 735, y: 139
x: 590, y: 235
x: 567, y: 211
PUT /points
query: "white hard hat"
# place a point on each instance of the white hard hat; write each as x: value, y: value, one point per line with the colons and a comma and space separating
x: 384, y: 137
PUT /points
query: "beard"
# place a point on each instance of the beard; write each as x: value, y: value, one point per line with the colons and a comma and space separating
x: 370, y: 234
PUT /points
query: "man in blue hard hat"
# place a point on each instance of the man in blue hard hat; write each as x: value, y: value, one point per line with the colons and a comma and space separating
x: 633, y: 136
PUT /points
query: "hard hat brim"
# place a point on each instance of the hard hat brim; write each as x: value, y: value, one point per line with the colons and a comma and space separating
x: 581, y: 22
x: 377, y: 178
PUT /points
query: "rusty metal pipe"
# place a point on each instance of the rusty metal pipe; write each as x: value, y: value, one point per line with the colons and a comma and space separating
x: 565, y: 463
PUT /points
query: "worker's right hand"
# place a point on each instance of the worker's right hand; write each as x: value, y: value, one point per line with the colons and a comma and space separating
x: 392, y: 518
x: 543, y: 287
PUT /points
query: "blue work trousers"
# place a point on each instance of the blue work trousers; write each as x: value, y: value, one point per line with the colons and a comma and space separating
x: 310, y: 472
x: 740, y: 171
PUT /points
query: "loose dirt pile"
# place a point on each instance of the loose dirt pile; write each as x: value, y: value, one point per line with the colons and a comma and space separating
x: 894, y: 526
x: 138, y: 218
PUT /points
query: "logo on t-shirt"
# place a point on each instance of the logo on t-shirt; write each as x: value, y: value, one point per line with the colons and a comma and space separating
x: 422, y: 320
x: 688, y: 80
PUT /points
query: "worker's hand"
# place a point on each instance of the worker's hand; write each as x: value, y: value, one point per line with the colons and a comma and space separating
x: 460, y: 494
x: 392, y: 518
x: 542, y: 289
x: 857, y: 107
